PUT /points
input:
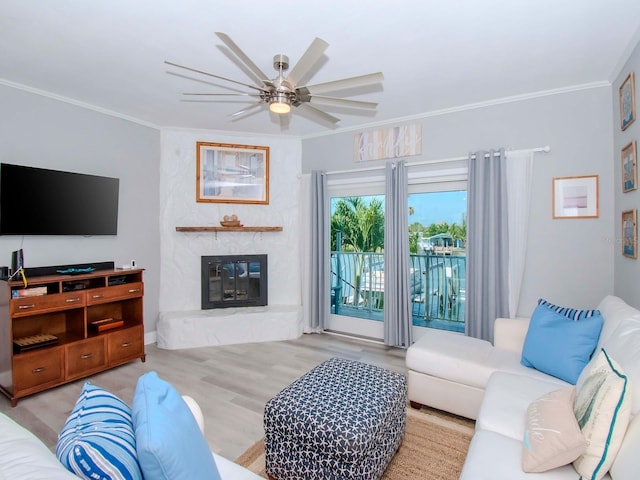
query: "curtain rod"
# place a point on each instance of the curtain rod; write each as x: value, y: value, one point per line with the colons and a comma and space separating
x: 545, y: 149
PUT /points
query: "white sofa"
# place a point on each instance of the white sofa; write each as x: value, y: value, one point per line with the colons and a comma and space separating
x: 475, y: 379
x: 24, y: 456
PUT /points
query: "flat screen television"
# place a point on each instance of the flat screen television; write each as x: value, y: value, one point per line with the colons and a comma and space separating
x: 38, y: 201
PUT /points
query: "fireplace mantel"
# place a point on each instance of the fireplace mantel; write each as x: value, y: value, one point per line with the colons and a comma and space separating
x: 229, y: 229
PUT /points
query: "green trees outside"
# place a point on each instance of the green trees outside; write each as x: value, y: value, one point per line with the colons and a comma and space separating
x: 362, y: 225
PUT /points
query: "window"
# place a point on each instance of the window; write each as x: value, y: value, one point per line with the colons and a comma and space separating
x: 437, y: 243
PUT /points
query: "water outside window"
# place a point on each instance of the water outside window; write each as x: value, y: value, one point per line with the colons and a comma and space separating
x: 437, y: 243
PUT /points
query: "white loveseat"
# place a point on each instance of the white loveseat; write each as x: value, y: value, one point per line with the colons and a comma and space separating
x: 24, y: 456
x: 475, y: 379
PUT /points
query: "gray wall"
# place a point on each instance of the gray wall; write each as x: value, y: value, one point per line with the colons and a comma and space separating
x: 569, y: 261
x: 47, y: 133
x: 627, y: 270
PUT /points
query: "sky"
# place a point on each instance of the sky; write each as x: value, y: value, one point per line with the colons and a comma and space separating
x: 431, y: 208
x: 438, y: 207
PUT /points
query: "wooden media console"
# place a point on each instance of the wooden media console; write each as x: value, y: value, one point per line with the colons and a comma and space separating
x: 64, y: 318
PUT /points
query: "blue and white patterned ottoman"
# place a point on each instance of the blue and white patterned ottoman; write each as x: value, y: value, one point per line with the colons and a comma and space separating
x: 341, y: 420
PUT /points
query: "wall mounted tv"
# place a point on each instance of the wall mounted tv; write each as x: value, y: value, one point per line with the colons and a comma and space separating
x: 38, y: 201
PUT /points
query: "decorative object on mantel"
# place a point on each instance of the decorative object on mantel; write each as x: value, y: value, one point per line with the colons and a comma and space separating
x: 228, y: 173
x: 394, y: 142
x: 230, y: 221
x: 627, y: 101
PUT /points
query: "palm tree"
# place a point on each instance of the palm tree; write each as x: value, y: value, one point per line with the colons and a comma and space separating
x: 362, y: 228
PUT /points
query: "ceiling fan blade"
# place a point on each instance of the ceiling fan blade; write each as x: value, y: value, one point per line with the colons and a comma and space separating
x: 241, y: 55
x: 306, y: 62
x: 342, y: 102
x: 224, y: 94
x: 320, y: 114
x: 351, y: 82
x: 214, y: 76
x: 248, y: 110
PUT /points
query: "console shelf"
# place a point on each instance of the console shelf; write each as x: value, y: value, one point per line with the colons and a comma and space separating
x: 64, y: 307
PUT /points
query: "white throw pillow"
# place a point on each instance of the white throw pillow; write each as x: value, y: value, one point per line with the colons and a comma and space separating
x: 552, y: 436
x: 602, y: 408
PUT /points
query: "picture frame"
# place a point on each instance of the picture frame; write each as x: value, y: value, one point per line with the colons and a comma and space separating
x: 229, y: 173
x: 629, y: 167
x: 575, y: 197
x: 627, y: 101
x: 630, y: 233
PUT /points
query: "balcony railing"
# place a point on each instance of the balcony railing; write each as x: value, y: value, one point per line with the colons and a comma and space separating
x: 437, y: 288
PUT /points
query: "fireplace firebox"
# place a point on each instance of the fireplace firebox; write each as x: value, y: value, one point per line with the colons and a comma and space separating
x: 234, y: 281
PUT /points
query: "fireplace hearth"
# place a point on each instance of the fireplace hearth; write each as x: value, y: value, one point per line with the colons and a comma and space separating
x: 234, y: 281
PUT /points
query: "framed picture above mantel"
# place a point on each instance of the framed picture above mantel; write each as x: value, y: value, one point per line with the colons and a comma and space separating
x: 227, y: 173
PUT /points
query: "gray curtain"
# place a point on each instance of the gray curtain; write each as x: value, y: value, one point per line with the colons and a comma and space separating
x: 397, y: 309
x: 320, y: 233
x: 487, y: 291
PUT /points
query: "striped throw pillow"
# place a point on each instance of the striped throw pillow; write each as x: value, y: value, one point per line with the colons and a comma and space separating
x: 572, y: 313
x: 97, y: 440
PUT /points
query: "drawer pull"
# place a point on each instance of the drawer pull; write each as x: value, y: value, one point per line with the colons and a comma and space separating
x: 24, y: 307
x: 72, y: 300
x: 97, y: 295
x: 126, y: 344
x: 86, y: 356
x: 38, y: 370
x: 134, y: 290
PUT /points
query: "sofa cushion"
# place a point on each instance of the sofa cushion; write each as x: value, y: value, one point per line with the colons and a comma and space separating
x: 169, y: 441
x: 623, y: 346
x: 453, y: 356
x: 552, y: 435
x: 602, y: 408
x: 626, y: 463
x: 465, y: 360
x: 493, y: 456
x: 97, y: 440
x: 614, y: 310
x: 506, y: 400
x: 571, y: 313
x: 559, y: 346
x: 24, y: 456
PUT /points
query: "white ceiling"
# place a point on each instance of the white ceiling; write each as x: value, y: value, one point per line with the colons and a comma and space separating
x: 435, y: 54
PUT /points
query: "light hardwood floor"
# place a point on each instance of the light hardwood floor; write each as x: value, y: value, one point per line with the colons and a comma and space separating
x: 231, y: 383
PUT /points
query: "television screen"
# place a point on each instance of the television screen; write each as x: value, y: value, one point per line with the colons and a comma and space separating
x: 38, y: 201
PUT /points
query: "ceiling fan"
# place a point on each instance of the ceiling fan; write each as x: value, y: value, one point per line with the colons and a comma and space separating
x: 283, y: 92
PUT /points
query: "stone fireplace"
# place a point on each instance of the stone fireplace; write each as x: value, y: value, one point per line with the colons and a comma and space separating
x: 234, y: 281
x: 234, y: 308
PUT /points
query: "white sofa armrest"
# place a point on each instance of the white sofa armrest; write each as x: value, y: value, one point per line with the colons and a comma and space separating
x: 509, y: 333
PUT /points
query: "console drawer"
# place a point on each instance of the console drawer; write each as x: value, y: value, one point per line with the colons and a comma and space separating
x: 119, y: 292
x: 125, y: 345
x: 21, y: 307
x: 85, y: 357
x: 38, y: 369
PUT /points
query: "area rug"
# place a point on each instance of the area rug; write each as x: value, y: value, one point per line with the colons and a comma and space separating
x: 434, y: 448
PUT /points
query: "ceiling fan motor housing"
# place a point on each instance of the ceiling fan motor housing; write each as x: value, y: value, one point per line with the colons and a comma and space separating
x: 281, y: 62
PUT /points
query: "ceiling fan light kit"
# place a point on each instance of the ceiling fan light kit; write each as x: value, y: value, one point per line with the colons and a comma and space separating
x: 281, y: 93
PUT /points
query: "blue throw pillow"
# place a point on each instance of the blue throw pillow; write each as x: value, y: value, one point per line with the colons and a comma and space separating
x: 572, y: 313
x: 97, y: 440
x: 169, y: 442
x: 559, y: 346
